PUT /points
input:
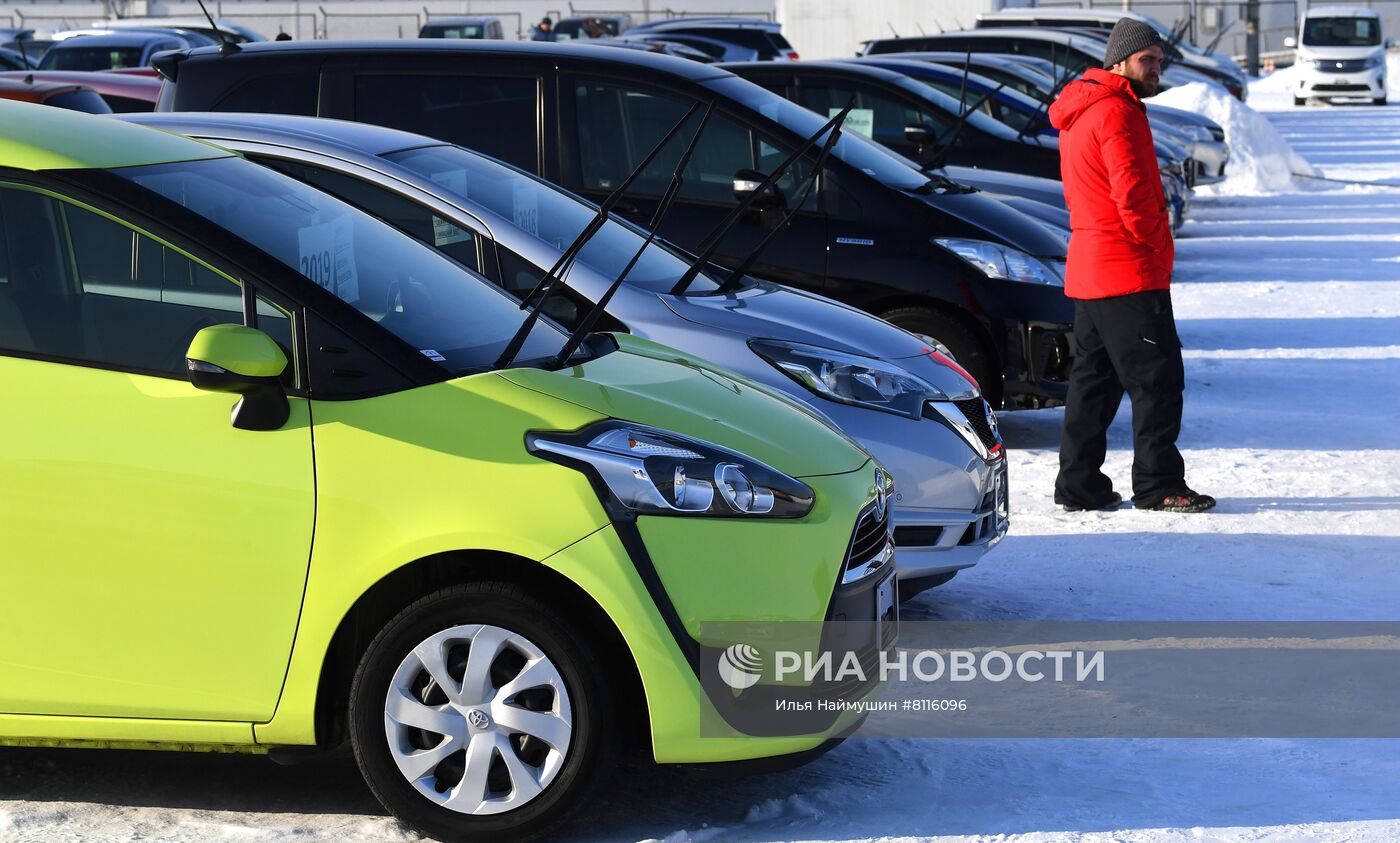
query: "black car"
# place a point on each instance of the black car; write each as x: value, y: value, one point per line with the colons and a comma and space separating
x: 923, y: 252
x: 908, y: 116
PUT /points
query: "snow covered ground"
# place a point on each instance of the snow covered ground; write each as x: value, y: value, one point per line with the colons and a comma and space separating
x: 1289, y: 305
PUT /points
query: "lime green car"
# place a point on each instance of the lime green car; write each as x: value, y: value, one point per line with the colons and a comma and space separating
x: 266, y: 487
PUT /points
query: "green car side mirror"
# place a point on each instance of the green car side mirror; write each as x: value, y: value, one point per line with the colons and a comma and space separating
x: 246, y: 362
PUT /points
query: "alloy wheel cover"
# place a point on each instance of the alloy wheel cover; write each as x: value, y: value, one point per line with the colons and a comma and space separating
x: 460, y: 732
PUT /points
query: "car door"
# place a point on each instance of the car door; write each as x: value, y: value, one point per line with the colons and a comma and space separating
x: 615, y: 124
x: 155, y: 556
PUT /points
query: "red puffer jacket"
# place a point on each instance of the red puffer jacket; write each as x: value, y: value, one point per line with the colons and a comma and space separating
x: 1121, y: 240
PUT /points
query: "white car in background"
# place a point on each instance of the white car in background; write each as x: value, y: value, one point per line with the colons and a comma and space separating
x: 1341, y: 53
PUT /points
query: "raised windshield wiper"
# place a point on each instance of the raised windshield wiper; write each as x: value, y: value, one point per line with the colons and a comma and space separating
x: 1064, y: 80
x: 737, y: 273
x: 585, y: 326
x: 710, y: 244
x: 944, y: 151
x: 553, y: 279
x: 1210, y: 48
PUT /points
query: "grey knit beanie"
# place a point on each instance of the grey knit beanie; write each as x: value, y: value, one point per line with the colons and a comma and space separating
x: 1129, y: 36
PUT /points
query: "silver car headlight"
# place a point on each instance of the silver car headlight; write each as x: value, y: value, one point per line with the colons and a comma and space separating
x: 1375, y: 61
x: 997, y: 261
x: 640, y: 470
x: 850, y: 378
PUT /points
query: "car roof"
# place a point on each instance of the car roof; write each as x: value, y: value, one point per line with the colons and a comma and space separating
x: 132, y: 38
x: 869, y: 71
x: 38, y: 137
x: 711, y: 23
x: 646, y: 62
x: 1040, y: 12
x: 1340, y: 12
x: 454, y: 20
x: 309, y: 133
x: 104, y: 82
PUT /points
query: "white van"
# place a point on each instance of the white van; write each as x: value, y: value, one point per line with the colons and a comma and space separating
x: 1341, y: 53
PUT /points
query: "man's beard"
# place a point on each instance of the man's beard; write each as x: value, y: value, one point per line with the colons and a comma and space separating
x: 1142, y: 88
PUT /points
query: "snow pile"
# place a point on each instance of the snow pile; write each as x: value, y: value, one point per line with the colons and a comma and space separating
x: 1261, y: 161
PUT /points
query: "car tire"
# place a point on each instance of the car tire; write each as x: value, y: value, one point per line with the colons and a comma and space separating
x: 914, y: 586
x: 1300, y: 101
x: 1378, y: 101
x: 971, y: 353
x: 503, y: 763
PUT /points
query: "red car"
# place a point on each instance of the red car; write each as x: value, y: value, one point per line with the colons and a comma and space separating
x: 123, y: 92
x: 59, y: 94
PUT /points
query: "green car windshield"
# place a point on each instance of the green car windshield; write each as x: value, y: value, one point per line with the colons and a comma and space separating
x: 551, y: 215
x: 451, y: 315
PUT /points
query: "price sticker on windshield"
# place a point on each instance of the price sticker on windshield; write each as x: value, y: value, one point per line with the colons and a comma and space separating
x: 860, y: 120
x: 327, y: 257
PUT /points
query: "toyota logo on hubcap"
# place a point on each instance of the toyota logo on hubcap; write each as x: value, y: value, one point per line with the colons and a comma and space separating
x: 478, y: 719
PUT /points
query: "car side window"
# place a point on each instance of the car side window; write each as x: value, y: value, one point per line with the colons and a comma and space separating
x: 81, y: 287
x: 460, y: 244
x: 618, y: 126
x: 875, y: 114
x: 272, y: 93
x: 495, y: 115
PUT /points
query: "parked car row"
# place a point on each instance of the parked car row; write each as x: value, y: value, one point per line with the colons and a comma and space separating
x: 493, y: 374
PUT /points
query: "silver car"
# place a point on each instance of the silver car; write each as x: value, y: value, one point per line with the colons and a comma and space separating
x: 908, y: 404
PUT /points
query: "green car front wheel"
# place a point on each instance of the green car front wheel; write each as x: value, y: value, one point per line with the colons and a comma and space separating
x: 478, y: 713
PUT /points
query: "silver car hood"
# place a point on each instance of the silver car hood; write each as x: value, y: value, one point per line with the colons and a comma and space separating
x: 770, y: 311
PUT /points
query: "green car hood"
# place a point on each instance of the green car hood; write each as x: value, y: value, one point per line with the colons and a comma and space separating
x: 649, y: 383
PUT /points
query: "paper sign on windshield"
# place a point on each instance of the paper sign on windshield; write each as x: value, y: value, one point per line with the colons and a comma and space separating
x: 445, y: 233
x: 860, y: 120
x: 328, y: 257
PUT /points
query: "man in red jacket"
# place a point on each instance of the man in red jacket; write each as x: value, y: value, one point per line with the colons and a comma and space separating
x: 1119, y: 274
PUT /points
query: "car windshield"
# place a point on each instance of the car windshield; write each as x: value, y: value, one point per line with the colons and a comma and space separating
x: 551, y: 216
x: 1342, y: 32
x: 853, y: 149
x: 451, y: 315
x: 91, y: 58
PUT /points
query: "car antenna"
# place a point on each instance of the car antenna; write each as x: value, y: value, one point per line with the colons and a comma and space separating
x: 732, y: 280
x: 585, y: 326
x: 19, y: 42
x: 710, y: 244
x: 553, y: 279
x: 226, y: 47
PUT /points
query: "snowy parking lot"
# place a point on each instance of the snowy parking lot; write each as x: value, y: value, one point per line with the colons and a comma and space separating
x: 1289, y: 308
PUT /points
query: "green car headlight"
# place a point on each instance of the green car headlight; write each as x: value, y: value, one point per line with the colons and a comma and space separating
x: 849, y: 378
x: 997, y: 261
x: 641, y: 470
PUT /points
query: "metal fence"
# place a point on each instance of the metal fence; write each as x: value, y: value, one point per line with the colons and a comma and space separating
x: 1222, y: 24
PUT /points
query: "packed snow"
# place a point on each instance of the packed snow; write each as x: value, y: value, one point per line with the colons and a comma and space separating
x: 1261, y: 161
x: 1289, y: 305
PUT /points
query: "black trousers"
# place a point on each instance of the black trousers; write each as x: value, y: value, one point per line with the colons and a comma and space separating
x: 1124, y: 343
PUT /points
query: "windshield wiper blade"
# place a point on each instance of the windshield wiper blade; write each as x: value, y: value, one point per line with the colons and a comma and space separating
x: 585, y: 326
x: 554, y: 278
x: 1210, y: 48
x: 710, y: 244
x: 1045, y: 104
x: 737, y: 272
x: 946, y: 149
